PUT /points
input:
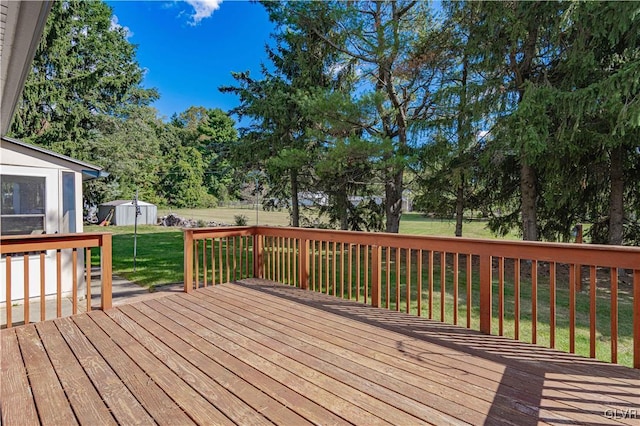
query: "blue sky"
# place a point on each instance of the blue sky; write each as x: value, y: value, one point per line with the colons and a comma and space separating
x: 189, y: 48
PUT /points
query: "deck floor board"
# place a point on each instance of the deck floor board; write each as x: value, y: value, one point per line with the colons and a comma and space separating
x: 270, y: 387
x: 18, y: 406
x: 158, y: 405
x: 50, y: 399
x: 516, y: 387
x: 252, y: 352
x: 85, y: 401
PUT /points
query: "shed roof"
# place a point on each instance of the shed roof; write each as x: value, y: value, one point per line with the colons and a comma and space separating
x: 120, y: 202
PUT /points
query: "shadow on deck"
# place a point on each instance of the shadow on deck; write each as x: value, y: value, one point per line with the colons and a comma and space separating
x: 254, y: 352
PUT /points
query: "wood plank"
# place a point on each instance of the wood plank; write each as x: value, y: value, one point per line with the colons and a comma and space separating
x: 191, y: 333
x: 229, y: 404
x: 259, y: 401
x: 16, y: 399
x: 508, y: 396
x: 83, y: 398
x: 51, y: 402
x: 566, y: 360
x: 304, y: 381
x: 461, y: 401
x: 157, y: 403
x: 350, y: 367
x: 518, y: 379
x: 197, y: 407
x: 334, y: 378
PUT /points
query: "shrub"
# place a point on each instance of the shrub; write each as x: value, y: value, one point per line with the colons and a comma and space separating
x: 241, y: 220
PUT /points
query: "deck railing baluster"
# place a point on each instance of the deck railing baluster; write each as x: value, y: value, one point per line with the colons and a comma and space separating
x: 593, y: 288
x: 534, y: 301
x: 501, y: 296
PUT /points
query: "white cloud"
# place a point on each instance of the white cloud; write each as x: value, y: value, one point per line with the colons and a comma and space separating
x: 115, y: 25
x: 203, y: 9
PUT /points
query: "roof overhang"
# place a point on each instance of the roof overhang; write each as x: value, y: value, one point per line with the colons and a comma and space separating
x: 89, y: 171
x: 21, y: 26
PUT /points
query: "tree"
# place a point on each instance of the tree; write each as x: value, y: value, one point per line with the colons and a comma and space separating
x: 278, y: 140
x: 382, y: 40
x: 599, y: 105
x: 83, y: 98
x: 131, y: 150
x: 517, y: 43
x: 447, y: 166
x: 84, y: 68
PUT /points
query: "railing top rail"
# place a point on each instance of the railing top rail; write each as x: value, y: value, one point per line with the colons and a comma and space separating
x: 26, y: 243
x: 220, y: 231
x: 595, y: 254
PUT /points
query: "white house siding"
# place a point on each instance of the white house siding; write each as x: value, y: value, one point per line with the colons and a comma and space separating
x: 20, y: 161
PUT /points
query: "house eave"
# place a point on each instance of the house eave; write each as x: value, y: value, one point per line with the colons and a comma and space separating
x: 22, y: 25
x: 89, y: 171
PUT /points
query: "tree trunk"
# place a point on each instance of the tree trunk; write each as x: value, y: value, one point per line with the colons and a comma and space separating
x: 295, y: 205
x: 529, y: 195
x: 343, y: 209
x: 616, y: 197
x: 462, y: 143
x: 459, y: 208
x: 393, y: 201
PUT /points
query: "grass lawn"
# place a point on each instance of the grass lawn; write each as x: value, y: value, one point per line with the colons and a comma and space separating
x: 227, y: 215
x: 411, y: 223
x: 159, y: 257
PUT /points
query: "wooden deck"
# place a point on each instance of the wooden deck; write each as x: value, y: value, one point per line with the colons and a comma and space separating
x: 253, y: 352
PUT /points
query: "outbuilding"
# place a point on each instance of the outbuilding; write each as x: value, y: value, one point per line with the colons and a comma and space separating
x: 41, y: 193
x: 124, y: 213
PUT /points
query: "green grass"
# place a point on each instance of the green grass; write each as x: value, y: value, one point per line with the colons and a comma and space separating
x: 411, y: 223
x: 227, y: 215
x: 417, y: 224
x: 159, y: 257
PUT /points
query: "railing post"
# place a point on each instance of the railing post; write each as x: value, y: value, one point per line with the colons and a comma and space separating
x: 257, y: 255
x: 636, y: 318
x: 106, y: 272
x: 376, y: 269
x: 188, y: 260
x: 578, y: 230
x: 303, y: 261
x: 485, y: 293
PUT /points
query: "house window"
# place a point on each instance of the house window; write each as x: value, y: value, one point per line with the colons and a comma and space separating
x: 22, y: 205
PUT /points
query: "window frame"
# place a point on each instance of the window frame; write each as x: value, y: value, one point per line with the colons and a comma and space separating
x: 4, y: 216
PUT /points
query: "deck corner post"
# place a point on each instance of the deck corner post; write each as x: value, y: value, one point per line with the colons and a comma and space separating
x: 636, y: 318
x: 485, y: 293
x: 376, y: 269
x: 303, y: 261
x: 188, y: 260
x: 106, y: 272
x: 257, y: 254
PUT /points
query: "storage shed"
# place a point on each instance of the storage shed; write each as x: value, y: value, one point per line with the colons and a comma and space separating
x: 124, y: 213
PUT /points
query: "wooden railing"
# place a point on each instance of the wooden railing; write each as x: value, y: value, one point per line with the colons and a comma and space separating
x: 524, y: 290
x: 17, y: 252
x: 217, y: 255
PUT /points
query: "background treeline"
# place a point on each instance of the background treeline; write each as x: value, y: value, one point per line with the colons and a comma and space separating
x: 527, y: 113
